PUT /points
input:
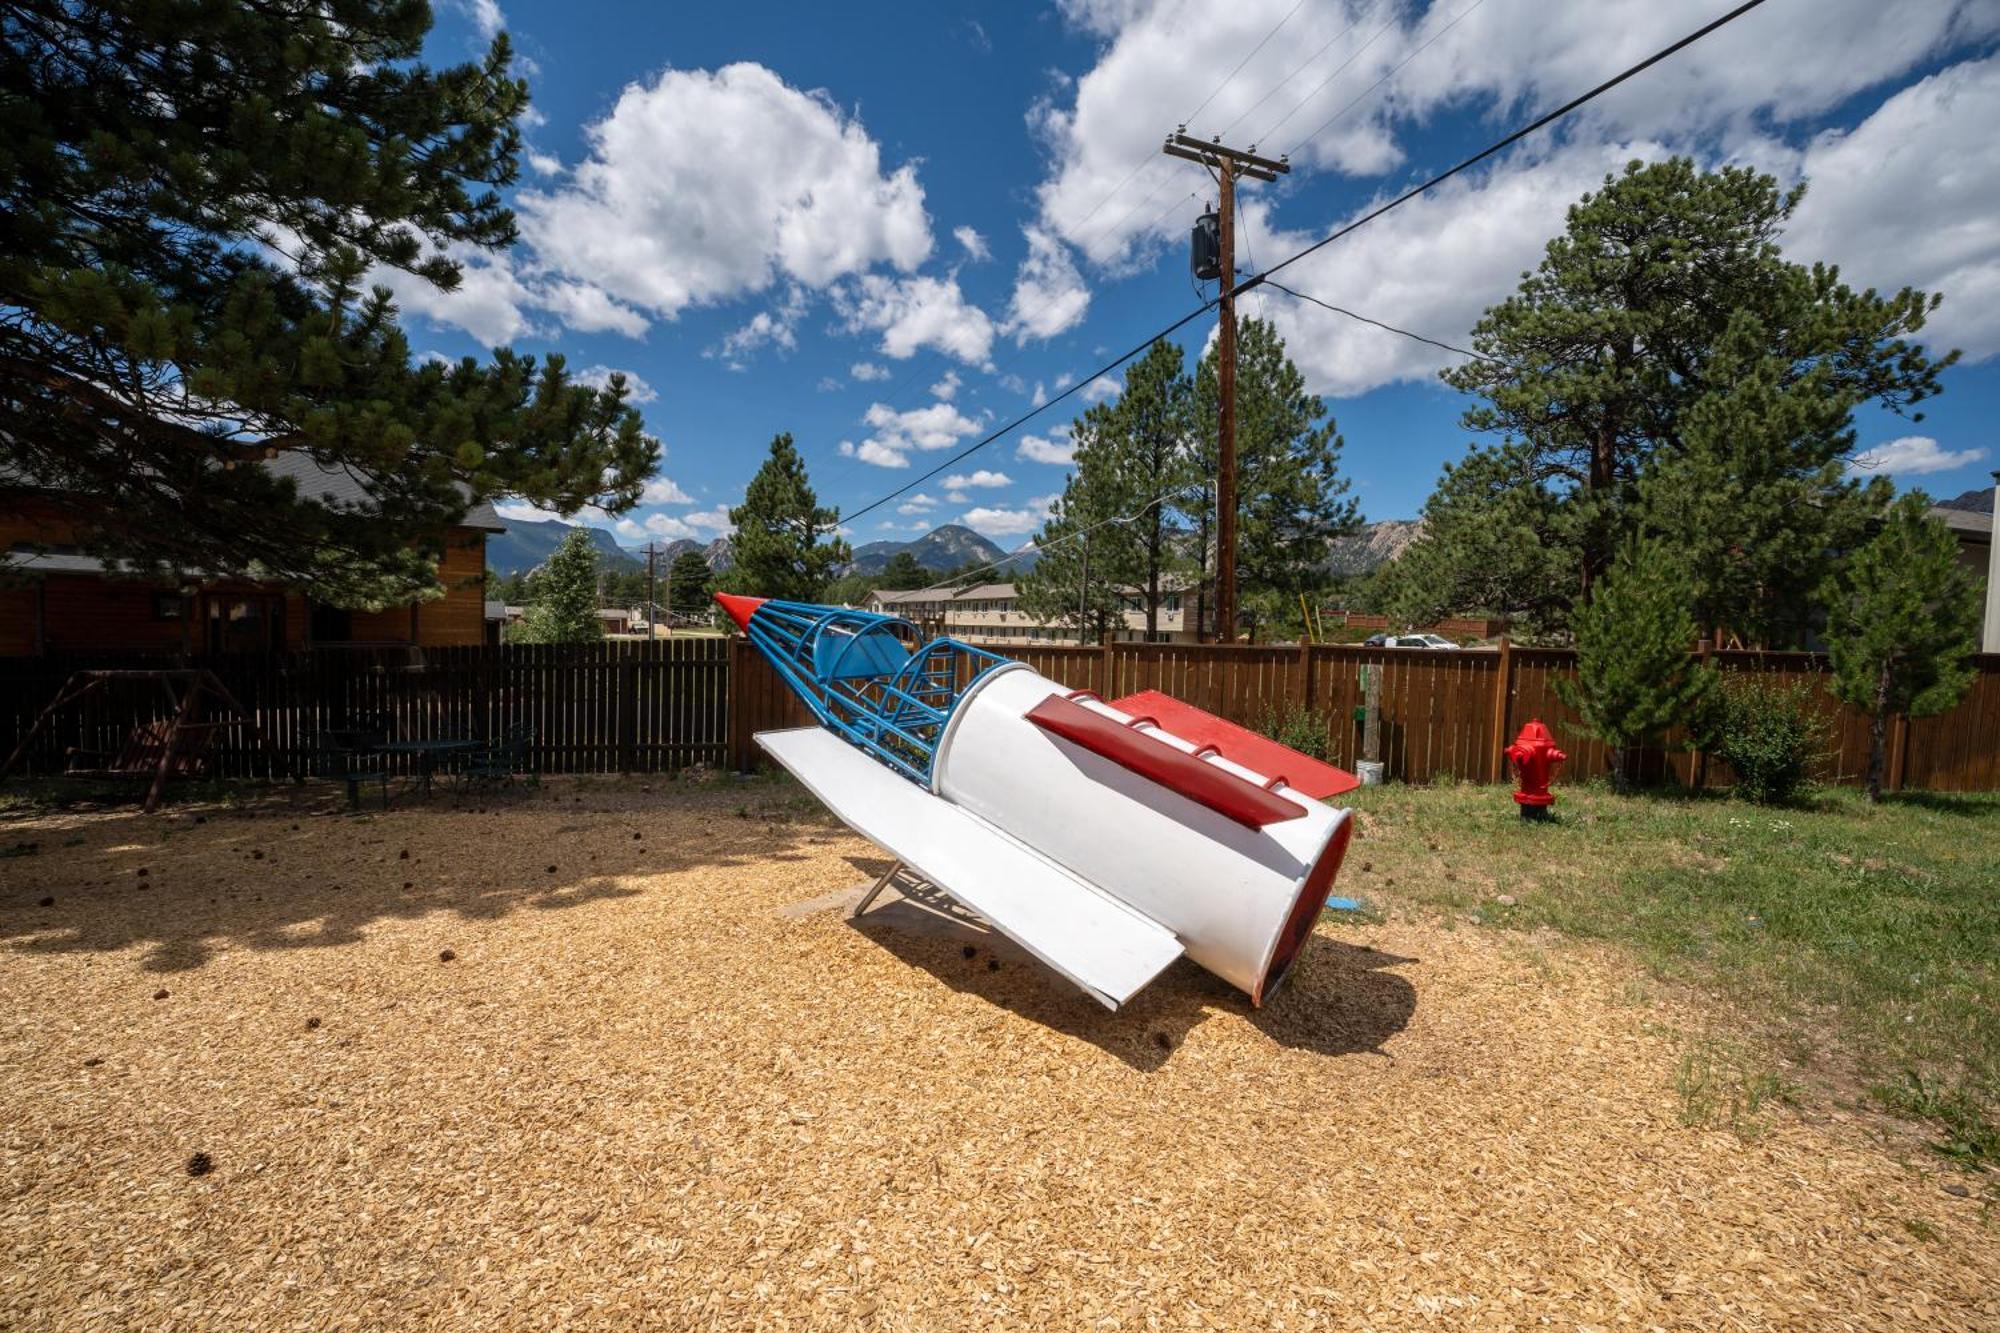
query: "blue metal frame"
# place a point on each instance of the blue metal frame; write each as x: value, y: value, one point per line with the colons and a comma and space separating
x: 896, y: 715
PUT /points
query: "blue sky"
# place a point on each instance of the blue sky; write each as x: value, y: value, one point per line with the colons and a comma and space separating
x: 889, y: 230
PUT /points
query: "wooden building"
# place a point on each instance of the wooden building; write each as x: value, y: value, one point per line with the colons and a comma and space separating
x: 56, y: 598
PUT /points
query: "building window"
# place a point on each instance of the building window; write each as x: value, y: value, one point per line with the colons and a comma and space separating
x: 169, y: 606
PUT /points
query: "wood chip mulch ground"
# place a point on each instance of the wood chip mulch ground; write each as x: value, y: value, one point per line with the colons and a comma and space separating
x: 608, y: 1056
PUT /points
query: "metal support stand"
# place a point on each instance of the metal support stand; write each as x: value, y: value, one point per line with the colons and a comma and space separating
x: 890, y: 876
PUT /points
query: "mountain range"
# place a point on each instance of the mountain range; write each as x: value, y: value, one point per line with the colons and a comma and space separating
x: 940, y: 550
x: 526, y: 543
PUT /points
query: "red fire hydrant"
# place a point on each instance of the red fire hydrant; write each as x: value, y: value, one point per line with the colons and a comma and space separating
x: 1534, y: 756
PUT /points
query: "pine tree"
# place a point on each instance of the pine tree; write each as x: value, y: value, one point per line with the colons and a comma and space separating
x: 565, y: 605
x: 690, y: 581
x: 1635, y: 672
x: 192, y: 197
x: 1086, y: 560
x: 1666, y: 288
x: 1902, y: 625
x: 1149, y: 439
x: 778, y: 547
x: 903, y: 573
x: 1291, y: 498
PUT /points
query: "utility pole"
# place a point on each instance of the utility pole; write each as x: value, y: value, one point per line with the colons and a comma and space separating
x: 652, y: 606
x: 1225, y: 165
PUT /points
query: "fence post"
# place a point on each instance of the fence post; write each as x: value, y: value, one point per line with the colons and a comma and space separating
x: 1305, y: 674
x: 628, y: 712
x: 1503, y: 699
x: 1106, y: 688
x: 1899, y: 750
x: 1697, y: 756
x: 739, y: 706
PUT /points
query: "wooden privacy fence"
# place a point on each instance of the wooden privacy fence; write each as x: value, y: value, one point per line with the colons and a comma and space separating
x: 1449, y: 714
x: 651, y: 707
x: 613, y: 707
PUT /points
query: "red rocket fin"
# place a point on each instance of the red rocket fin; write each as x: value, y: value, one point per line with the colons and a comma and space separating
x: 1171, y: 767
x: 740, y: 609
x: 1304, y: 775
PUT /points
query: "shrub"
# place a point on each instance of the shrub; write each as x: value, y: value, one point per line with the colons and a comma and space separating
x: 1295, y: 726
x: 1769, y: 733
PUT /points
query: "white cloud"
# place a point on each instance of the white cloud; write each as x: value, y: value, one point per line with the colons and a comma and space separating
x: 1040, y: 397
x: 588, y: 308
x: 663, y: 491
x: 1101, y: 388
x: 1913, y: 456
x: 1111, y: 196
x: 1009, y: 522
x: 490, y: 303
x: 1912, y: 196
x: 1432, y: 266
x: 915, y: 313
x: 523, y: 512
x: 874, y: 451
x: 828, y: 384
x: 636, y: 388
x: 917, y: 504
x: 1049, y: 295
x: 778, y: 184
x: 982, y: 478
x: 545, y: 164
x: 865, y: 371
x: 485, y: 16
x: 774, y: 327
x: 973, y: 243
x: 946, y: 388
x: 1056, y: 448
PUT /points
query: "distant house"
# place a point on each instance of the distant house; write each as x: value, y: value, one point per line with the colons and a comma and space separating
x: 1970, y: 518
x: 991, y: 613
x: 63, y: 599
x: 617, y: 621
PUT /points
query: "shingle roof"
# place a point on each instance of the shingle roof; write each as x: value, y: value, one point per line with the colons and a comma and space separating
x: 344, y: 487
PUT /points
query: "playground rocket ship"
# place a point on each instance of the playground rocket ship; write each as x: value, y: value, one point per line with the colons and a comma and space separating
x: 1107, y: 839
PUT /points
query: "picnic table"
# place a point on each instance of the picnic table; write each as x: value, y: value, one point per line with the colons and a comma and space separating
x: 430, y: 755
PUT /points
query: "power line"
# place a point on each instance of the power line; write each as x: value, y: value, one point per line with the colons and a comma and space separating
x: 1302, y: 67
x: 1258, y: 279
x: 1538, y: 123
x: 1034, y: 412
x: 1338, y: 310
x: 1244, y: 61
x: 1390, y: 75
x: 1300, y: 104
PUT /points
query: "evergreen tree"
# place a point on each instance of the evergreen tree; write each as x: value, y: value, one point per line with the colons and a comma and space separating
x: 565, y: 605
x: 1666, y: 289
x: 1149, y: 438
x: 1484, y: 549
x: 778, y: 547
x: 192, y: 197
x: 1902, y: 625
x: 689, y: 584
x: 1635, y: 672
x: 1086, y: 560
x: 1758, y: 501
x: 1291, y: 498
x: 903, y: 573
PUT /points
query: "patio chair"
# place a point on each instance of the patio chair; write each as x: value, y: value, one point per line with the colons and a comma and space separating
x: 500, y: 761
x: 347, y: 757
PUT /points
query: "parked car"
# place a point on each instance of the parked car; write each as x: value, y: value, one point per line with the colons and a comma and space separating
x: 1437, y: 641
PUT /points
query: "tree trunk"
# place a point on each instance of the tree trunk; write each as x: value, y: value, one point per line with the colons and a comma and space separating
x: 1621, y: 769
x: 1878, y: 738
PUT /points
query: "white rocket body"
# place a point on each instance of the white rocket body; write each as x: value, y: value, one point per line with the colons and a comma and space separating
x: 1103, y: 844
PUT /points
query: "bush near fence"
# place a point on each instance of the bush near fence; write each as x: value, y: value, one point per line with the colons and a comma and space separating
x: 641, y: 707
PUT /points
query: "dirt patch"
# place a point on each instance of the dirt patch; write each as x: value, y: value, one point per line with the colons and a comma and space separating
x: 645, y: 1091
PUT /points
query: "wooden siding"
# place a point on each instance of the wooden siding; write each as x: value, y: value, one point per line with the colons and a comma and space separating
x: 87, y: 612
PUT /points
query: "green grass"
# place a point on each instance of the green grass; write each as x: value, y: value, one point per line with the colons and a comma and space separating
x: 1868, y: 937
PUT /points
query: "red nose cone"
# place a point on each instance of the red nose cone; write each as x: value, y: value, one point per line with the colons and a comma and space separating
x: 740, y: 609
